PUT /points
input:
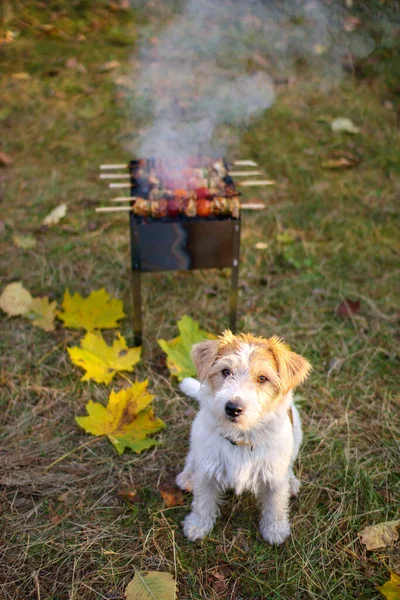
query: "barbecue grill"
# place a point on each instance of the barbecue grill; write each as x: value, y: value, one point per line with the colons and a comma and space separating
x: 181, y: 219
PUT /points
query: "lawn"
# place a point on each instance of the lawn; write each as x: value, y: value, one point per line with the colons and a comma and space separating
x: 69, y: 531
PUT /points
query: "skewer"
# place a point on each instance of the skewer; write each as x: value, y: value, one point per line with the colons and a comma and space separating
x: 123, y: 199
x: 119, y: 185
x: 113, y: 208
x: 254, y: 206
x: 257, y: 182
x: 245, y: 163
x: 119, y: 166
x: 129, y: 208
x: 242, y: 173
x: 114, y: 176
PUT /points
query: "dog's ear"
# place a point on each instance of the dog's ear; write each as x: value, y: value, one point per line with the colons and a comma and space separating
x: 293, y: 369
x: 204, y: 355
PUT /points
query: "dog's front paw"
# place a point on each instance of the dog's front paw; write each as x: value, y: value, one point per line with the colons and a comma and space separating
x: 275, y: 532
x: 183, y: 481
x: 195, y: 528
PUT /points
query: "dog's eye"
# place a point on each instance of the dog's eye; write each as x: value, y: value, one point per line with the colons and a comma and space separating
x: 226, y: 372
x: 262, y: 379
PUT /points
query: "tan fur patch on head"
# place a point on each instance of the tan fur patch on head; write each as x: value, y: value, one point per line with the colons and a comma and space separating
x: 203, y: 356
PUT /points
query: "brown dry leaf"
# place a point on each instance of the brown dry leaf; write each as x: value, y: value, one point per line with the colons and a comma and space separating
x: 348, y: 308
x: 171, y: 494
x: 109, y: 66
x: 380, y: 535
x: 5, y: 160
x: 338, y: 163
x: 129, y: 495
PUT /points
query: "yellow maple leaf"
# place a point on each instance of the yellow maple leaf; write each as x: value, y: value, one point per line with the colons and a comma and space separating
x: 42, y: 313
x: 178, y: 350
x: 391, y: 589
x: 100, y: 361
x: 98, y: 311
x: 127, y: 419
x: 15, y: 299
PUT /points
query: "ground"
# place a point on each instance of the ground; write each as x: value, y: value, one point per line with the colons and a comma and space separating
x: 331, y: 235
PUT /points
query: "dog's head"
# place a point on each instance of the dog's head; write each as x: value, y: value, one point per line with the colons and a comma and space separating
x: 249, y: 376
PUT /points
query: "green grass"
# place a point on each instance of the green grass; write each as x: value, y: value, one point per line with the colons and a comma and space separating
x: 331, y: 235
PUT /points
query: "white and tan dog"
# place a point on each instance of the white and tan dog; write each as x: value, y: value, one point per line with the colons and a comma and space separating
x: 248, y: 431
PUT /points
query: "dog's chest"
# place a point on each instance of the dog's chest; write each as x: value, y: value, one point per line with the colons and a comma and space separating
x: 242, y: 469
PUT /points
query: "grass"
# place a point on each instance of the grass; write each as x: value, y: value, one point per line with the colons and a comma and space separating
x: 331, y: 235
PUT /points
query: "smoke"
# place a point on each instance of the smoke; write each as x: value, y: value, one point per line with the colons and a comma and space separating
x: 212, y: 69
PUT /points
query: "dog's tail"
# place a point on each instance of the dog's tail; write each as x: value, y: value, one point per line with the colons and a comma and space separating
x: 190, y: 387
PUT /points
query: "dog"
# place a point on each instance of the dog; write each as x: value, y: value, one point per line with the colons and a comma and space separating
x: 247, y: 433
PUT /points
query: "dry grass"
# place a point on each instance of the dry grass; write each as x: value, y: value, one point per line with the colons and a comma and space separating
x: 66, y: 534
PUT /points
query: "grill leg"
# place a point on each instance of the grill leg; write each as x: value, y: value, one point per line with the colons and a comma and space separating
x: 137, y: 326
x: 233, y: 298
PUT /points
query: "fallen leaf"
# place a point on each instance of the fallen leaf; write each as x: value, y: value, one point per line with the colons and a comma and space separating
x: 178, y: 349
x: 72, y: 63
x: 380, y: 535
x: 129, y: 495
x: 285, y: 238
x: 5, y: 160
x: 350, y: 23
x: 125, y: 81
x: 42, y: 313
x: 121, y: 5
x: 341, y: 159
x: 91, y: 111
x: 151, y: 585
x: 109, y: 66
x: 261, y: 246
x: 127, y: 419
x: 171, y: 494
x: 21, y: 76
x: 343, y: 124
x: 348, y: 308
x: 15, y: 299
x: 98, y: 311
x: 100, y: 361
x: 26, y: 242
x: 391, y: 589
x: 56, y: 215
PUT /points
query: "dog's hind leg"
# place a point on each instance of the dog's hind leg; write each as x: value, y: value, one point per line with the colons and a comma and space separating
x: 204, y: 508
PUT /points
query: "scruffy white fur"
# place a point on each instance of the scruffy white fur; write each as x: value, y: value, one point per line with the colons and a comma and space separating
x: 270, y: 442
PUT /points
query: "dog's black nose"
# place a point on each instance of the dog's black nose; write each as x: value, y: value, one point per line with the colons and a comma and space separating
x: 233, y: 410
